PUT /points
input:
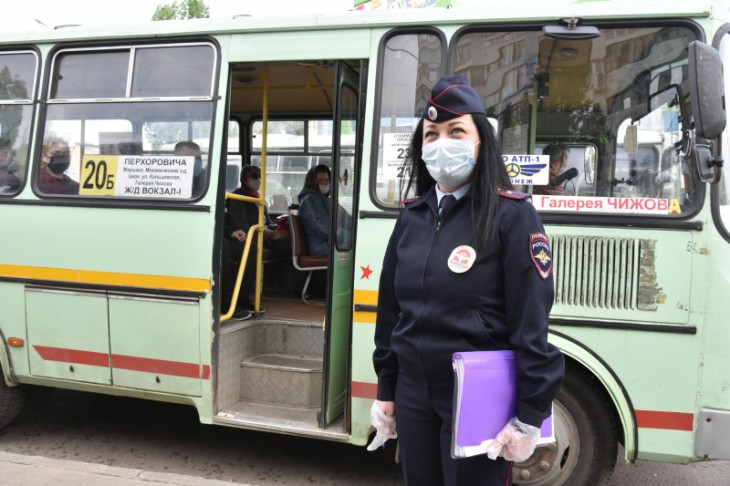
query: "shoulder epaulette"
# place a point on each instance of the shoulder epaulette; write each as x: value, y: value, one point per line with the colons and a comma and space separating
x: 510, y: 194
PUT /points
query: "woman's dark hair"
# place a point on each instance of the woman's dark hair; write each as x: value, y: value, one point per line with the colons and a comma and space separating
x: 310, y: 179
x: 488, y: 176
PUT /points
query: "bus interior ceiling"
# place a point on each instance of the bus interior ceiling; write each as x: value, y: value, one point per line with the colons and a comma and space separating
x: 271, y: 367
x: 294, y: 87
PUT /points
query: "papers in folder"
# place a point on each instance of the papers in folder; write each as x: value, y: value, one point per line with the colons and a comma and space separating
x: 485, y: 400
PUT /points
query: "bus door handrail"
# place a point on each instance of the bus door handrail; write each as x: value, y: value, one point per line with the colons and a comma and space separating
x: 255, y: 228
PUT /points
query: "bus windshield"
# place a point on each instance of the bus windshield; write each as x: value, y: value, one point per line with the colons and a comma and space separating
x: 618, y: 101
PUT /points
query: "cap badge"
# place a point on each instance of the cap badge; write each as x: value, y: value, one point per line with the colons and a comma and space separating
x: 432, y: 113
x: 462, y: 259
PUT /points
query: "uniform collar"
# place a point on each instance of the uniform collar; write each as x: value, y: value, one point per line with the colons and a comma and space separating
x: 458, y: 194
x: 433, y: 196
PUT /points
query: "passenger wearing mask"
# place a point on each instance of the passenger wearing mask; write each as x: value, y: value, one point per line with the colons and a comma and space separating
x: 315, y: 209
x: 54, y: 162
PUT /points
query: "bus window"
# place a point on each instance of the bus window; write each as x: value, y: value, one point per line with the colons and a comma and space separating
x: 234, y: 160
x: 620, y: 93
x: 292, y: 148
x: 579, y: 155
x: 18, y: 72
x: 120, y: 142
x: 411, y: 64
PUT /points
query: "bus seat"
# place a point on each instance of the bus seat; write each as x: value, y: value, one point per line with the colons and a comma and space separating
x: 300, y: 254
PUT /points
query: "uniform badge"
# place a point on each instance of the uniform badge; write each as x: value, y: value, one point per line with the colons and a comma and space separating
x: 541, y: 255
x: 432, y: 113
x: 462, y: 258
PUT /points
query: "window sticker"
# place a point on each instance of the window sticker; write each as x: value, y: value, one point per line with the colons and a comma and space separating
x: 161, y: 176
x: 527, y: 169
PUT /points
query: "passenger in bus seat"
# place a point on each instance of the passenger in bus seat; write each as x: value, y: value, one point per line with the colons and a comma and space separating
x: 243, y: 215
x: 558, y: 153
x: 9, y: 181
x: 52, y: 178
x: 192, y: 149
x: 240, y: 216
x: 315, y: 208
x: 468, y: 268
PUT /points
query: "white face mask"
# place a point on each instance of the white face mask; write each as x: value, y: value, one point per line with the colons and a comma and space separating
x: 324, y: 188
x: 450, y: 161
x: 254, y: 184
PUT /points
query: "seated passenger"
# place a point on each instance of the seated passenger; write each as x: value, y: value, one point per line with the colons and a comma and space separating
x: 192, y: 149
x: 558, y: 153
x: 240, y: 216
x: 54, y: 162
x: 315, y: 208
x: 9, y: 181
x: 243, y: 215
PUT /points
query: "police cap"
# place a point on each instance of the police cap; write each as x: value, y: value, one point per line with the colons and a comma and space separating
x: 450, y: 98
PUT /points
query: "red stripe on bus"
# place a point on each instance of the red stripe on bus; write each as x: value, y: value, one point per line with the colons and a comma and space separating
x: 651, y: 419
x: 646, y: 419
x: 364, y: 390
x: 77, y: 356
x: 159, y: 366
x: 133, y: 363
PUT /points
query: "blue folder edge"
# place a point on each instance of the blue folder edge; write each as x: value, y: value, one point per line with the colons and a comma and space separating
x: 485, y: 399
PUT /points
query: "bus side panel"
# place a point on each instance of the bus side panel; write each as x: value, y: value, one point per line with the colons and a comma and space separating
x: 68, y: 335
x: 155, y: 345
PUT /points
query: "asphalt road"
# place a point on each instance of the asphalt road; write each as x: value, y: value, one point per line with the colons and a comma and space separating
x: 168, y: 438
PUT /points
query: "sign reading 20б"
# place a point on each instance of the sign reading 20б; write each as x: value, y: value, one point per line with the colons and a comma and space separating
x: 155, y: 176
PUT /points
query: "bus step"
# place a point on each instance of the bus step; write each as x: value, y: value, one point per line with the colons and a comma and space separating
x: 285, y: 379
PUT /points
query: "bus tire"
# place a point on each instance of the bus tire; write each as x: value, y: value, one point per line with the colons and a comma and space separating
x: 36, y: 398
x: 12, y: 400
x: 586, y: 445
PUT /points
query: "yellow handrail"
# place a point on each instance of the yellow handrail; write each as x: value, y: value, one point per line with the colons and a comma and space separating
x: 257, y: 227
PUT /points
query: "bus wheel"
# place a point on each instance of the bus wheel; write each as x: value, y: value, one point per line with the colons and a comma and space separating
x: 12, y: 400
x: 585, y: 448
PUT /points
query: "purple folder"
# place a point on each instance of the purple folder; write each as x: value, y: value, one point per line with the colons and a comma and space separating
x: 485, y: 400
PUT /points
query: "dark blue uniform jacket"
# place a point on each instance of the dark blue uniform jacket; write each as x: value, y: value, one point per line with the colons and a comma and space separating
x: 426, y: 312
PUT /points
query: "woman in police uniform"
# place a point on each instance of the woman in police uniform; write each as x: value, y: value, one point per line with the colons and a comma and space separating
x: 467, y: 268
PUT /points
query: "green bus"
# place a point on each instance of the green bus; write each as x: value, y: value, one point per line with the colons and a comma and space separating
x: 110, y: 257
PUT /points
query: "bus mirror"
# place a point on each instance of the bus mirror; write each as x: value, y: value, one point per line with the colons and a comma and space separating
x: 706, y: 91
x: 589, y: 164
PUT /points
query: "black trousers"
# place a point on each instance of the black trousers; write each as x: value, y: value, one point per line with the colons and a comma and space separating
x: 230, y: 257
x: 423, y: 410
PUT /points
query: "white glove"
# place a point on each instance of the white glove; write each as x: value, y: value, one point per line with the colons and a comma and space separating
x: 515, y: 442
x: 384, y: 427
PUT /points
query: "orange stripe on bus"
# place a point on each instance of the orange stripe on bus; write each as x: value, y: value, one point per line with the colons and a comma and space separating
x: 652, y: 419
x: 116, y: 279
x: 365, y: 297
x: 118, y: 361
x: 364, y: 390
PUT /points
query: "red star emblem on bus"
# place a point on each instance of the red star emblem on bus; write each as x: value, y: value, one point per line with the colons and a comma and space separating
x: 366, y: 271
